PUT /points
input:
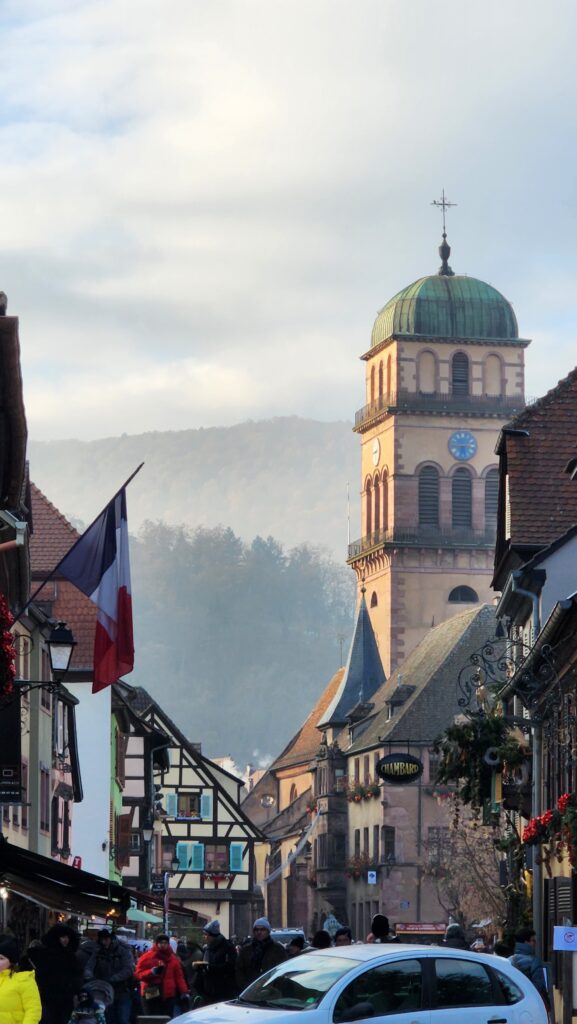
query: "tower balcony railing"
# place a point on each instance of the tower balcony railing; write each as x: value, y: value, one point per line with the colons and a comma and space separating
x: 423, y: 536
x: 440, y: 402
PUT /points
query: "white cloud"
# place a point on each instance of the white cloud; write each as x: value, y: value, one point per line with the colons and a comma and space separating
x: 208, y: 202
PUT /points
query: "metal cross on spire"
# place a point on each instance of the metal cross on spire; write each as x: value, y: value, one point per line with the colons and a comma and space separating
x: 444, y: 248
x: 444, y: 204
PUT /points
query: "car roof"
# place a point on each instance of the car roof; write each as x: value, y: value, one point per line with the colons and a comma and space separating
x: 374, y: 950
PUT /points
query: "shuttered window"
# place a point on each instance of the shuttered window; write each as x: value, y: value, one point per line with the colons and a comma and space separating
x: 235, y: 861
x: 206, y: 806
x: 460, y: 374
x: 462, y: 498
x: 491, y: 497
x: 429, y: 496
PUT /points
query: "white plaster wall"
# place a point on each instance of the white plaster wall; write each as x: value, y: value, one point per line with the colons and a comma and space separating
x: 561, y: 582
x: 90, y: 822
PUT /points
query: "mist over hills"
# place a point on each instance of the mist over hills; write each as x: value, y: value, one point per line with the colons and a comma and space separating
x: 242, y: 600
x: 284, y: 477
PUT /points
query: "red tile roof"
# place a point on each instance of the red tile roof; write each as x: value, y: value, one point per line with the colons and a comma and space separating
x: 52, y: 537
x: 542, y: 496
x: 52, y: 534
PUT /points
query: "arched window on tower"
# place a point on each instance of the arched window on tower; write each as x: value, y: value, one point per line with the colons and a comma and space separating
x: 374, y: 599
x: 381, y: 379
x: 385, y: 490
x: 377, y: 492
x: 463, y: 595
x: 491, y: 498
x: 460, y: 374
x: 427, y: 373
x: 492, y: 371
x: 293, y: 794
x: 389, y: 376
x: 429, y: 496
x: 369, y: 509
x: 372, y: 393
x: 462, y: 498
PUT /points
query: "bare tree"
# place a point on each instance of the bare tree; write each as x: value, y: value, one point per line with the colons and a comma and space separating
x: 462, y: 860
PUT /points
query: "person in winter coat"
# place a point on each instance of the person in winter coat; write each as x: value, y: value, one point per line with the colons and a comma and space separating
x: 162, y: 982
x: 58, y: 972
x: 19, y: 995
x: 190, y: 957
x: 217, y: 981
x: 455, y: 937
x: 525, y: 960
x: 112, y: 961
x: 258, y: 956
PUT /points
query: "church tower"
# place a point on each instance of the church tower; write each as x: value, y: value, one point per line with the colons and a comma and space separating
x: 444, y: 372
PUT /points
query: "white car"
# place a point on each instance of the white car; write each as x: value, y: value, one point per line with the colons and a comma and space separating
x: 406, y: 984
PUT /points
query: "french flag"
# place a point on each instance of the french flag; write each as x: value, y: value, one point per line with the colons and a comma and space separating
x: 99, y: 566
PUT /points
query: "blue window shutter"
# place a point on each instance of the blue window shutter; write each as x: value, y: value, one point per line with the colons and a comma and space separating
x: 235, y: 862
x: 182, y: 852
x: 171, y: 800
x: 206, y: 805
x: 197, y: 857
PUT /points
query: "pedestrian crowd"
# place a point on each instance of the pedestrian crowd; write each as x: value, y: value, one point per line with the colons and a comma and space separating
x: 65, y: 980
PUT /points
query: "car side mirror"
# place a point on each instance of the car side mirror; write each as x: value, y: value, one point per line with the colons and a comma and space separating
x: 357, y: 1012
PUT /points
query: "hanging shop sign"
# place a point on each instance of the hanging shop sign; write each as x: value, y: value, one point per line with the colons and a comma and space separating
x: 11, y: 751
x: 398, y: 769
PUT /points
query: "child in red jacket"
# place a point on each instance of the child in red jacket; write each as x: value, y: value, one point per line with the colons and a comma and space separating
x: 162, y: 983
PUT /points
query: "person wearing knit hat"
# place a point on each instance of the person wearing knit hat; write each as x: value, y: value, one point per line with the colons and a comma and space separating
x: 216, y: 978
x: 213, y: 928
x: 259, y: 955
x: 163, y: 985
x: 19, y: 995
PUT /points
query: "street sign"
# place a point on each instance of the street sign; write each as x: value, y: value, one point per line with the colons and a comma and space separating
x: 157, y: 883
x: 565, y: 937
x: 371, y: 877
x: 399, y: 769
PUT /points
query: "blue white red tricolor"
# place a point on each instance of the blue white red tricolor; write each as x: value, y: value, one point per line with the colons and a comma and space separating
x: 99, y: 566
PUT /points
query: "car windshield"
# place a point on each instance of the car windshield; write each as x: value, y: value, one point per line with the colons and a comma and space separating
x: 297, y: 984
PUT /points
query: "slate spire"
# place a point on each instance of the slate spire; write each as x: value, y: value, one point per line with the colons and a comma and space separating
x: 364, y: 672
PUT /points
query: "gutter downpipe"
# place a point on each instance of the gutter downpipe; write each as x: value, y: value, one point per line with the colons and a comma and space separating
x: 537, y: 767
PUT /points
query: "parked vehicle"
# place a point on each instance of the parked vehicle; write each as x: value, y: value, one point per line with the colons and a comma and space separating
x: 409, y: 984
x: 286, y: 935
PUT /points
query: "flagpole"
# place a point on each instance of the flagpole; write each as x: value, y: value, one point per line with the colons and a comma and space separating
x: 56, y: 567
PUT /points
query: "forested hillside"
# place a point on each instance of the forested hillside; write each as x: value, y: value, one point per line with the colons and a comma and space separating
x: 226, y: 624
x: 225, y: 629
x: 285, y: 477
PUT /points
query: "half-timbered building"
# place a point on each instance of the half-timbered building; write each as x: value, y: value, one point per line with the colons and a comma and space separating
x: 199, y: 823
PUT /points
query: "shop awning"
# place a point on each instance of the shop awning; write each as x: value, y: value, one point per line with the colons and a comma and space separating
x: 58, y: 886
x: 134, y: 914
x: 155, y: 901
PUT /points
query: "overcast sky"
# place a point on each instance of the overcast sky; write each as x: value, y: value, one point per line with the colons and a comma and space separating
x: 205, y: 202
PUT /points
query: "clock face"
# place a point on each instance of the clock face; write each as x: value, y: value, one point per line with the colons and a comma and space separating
x: 376, y: 451
x: 462, y: 445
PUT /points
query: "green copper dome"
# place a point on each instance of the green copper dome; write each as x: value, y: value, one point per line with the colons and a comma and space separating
x: 446, y: 305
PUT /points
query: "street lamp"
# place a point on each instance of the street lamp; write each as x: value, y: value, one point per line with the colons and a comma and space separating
x: 147, y: 830
x: 61, y: 644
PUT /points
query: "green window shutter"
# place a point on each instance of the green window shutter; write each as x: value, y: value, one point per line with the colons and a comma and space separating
x: 171, y: 800
x: 235, y: 861
x: 197, y: 857
x: 206, y: 805
x: 182, y: 852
